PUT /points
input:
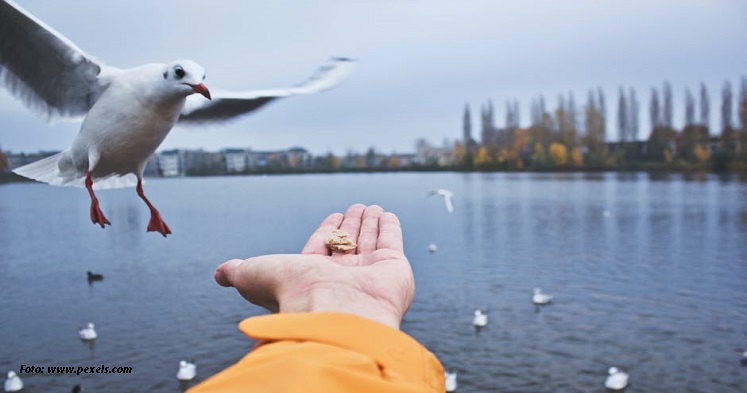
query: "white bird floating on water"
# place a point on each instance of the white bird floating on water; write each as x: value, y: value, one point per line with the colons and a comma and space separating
x: 88, y: 332
x: 480, y: 319
x: 617, y: 379
x: 540, y: 298
x: 432, y: 248
x: 187, y: 371
x: 451, y: 381
x: 447, y: 195
x: 743, y: 353
x: 13, y: 383
x: 128, y: 112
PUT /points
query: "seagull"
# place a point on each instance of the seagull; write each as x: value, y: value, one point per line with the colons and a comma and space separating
x: 88, y: 333
x: 540, y: 298
x: 617, y: 379
x: 13, y: 383
x: 187, y: 371
x: 743, y: 353
x: 447, y: 195
x: 451, y: 381
x: 480, y: 319
x: 126, y: 113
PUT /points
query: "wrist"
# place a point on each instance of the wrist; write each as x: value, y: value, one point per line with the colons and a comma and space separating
x: 341, y: 299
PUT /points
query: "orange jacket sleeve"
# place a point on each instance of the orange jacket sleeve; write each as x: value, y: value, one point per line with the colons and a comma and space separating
x: 327, y: 352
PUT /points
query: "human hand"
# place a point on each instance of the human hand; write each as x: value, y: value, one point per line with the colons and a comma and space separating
x: 375, y: 282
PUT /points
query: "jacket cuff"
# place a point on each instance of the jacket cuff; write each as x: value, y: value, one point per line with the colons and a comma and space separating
x: 387, y: 346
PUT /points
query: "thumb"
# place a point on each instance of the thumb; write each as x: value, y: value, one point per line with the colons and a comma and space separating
x: 257, y: 279
x: 225, y: 272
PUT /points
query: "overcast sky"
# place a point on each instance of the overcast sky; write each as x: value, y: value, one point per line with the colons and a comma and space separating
x: 419, y: 62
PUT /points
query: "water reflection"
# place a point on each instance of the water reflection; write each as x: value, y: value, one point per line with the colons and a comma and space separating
x: 91, y: 346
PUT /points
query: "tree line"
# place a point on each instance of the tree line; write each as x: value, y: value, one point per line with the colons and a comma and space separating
x: 576, y: 137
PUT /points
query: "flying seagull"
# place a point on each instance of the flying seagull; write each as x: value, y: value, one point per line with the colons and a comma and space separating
x: 127, y: 112
x: 447, y: 195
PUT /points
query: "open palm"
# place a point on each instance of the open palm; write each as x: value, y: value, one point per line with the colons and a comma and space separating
x: 375, y: 281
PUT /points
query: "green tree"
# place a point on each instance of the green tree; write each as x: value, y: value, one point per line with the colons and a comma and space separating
x: 539, y: 158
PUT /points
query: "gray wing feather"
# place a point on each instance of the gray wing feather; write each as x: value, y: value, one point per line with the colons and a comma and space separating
x: 228, y: 105
x: 43, y: 68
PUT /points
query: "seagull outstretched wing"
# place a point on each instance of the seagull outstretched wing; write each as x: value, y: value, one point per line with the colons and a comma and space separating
x: 446, y: 195
x: 44, y: 69
x: 228, y: 105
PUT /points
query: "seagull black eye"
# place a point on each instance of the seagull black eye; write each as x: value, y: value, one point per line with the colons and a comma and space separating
x: 179, y: 72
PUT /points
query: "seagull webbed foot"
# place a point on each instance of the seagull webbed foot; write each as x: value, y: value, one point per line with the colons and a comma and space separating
x: 157, y: 224
x: 97, y: 216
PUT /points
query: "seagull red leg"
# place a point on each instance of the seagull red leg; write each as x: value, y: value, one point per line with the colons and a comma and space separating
x: 97, y: 216
x: 156, y: 223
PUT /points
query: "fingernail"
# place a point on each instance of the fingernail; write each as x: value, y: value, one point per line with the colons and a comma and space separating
x: 223, y: 272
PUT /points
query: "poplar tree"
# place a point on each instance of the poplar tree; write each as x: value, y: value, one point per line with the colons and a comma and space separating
x: 622, y: 116
x: 633, y: 115
x: 689, y: 108
x: 727, y: 125
x: 654, y: 110
x: 705, y: 107
x: 726, y: 107
x: 667, y: 98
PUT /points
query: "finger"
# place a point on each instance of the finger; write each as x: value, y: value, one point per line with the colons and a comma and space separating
x: 369, y: 233
x: 256, y: 279
x: 351, y: 223
x: 317, y: 243
x: 390, y: 233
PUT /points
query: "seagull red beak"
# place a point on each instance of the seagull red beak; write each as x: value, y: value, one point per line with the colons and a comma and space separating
x: 201, y: 89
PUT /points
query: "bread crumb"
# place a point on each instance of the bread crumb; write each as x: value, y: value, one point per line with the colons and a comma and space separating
x: 340, y: 241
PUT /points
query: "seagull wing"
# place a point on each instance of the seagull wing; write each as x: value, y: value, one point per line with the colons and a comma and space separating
x: 228, y: 105
x: 45, y: 69
x: 449, y: 204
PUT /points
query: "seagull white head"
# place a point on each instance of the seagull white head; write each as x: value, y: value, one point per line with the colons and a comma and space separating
x: 186, y: 77
x: 613, y: 370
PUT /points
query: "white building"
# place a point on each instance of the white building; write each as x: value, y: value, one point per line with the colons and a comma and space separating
x: 236, y: 160
x: 168, y: 164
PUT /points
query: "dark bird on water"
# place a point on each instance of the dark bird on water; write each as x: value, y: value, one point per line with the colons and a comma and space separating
x: 94, y: 277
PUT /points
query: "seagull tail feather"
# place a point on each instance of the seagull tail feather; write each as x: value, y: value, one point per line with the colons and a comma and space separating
x: 47, y: 170
x: 58, y: 170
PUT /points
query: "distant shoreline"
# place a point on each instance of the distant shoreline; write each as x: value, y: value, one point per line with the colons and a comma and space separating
x: 10, y: 177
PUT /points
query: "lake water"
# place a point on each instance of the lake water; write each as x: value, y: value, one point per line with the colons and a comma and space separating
x: 648, y: 273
